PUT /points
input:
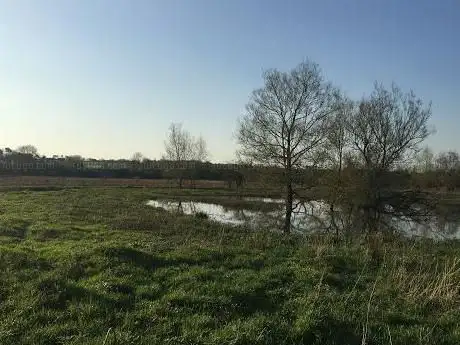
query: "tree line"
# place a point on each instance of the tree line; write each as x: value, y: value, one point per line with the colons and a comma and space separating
x: 185, y: 158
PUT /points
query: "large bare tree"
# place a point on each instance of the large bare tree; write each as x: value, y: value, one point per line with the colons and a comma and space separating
x: 388, y: 127
x: 386, y: 130
x: 285, y: 122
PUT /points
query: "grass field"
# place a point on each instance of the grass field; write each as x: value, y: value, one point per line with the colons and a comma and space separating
x: 97, y: 266
x: 56, y: 181
x: 43, y: 183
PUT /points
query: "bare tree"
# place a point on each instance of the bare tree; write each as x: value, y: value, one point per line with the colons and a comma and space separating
x: 424, y: 160
x: 448, y: 161
x: 285, y: 122
x: 386, y: 130
x: 137, y: 157
x: 201, y: 150
x: 182, y: 147
x: 335, y: 152
x: 388, y: 127
x: 338, y: 138
x: 28, y: 150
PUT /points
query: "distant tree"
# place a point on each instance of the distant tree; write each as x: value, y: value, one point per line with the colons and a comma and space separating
x: 285, y: 122
x: 28, y: 150
x: 448, y: 169
x: 137, y: 157
x: 75, y: 161
x: 233, y: 178
x: 201, y: 150
x: 181, y: 147
x: 74, y: 158
x: 448, y: 161
x: 8, y: 150
x: 337, y: 137
x: 424, y: 160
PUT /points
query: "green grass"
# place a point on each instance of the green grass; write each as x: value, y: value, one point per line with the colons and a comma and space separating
x: 98, y: 266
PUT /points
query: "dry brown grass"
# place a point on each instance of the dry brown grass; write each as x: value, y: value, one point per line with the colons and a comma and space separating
x: 51, y: 181
x: 441, y: 283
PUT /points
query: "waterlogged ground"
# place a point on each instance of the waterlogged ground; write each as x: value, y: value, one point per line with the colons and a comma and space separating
x: 313, y: 216
x: 99, y: 266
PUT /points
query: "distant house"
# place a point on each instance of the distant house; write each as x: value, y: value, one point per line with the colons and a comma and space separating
x: 93, y: 164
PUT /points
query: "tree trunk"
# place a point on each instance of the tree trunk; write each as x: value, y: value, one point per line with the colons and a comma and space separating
x: 289, y: 201
x: 337, y: 189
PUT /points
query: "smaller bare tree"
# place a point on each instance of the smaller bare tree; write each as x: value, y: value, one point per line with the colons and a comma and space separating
x: 424, y: 160
x: 335, y: 151
x: 179, y: 146
x: 201, y: 149
x: 337, y: 137
x: 182, y: 148
x: 386, y: 130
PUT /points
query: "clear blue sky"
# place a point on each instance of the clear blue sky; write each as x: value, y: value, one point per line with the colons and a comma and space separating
x: 105, y: 78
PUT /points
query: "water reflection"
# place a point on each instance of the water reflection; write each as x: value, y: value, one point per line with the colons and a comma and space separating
x: 316, y: 216
x: 265, y: 200
x: 215, y: 212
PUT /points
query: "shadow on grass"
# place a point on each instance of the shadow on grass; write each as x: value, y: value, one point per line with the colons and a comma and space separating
x: 342, y: 273
x: 330, y: 331
x: 151, y: 262
x: 141, y: 259
x: 14, y: 228
x: 56, y: 294
x: 254, y: 302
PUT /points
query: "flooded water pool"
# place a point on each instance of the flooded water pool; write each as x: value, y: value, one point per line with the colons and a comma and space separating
x: 214, y: 212
x: 312, y: 216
